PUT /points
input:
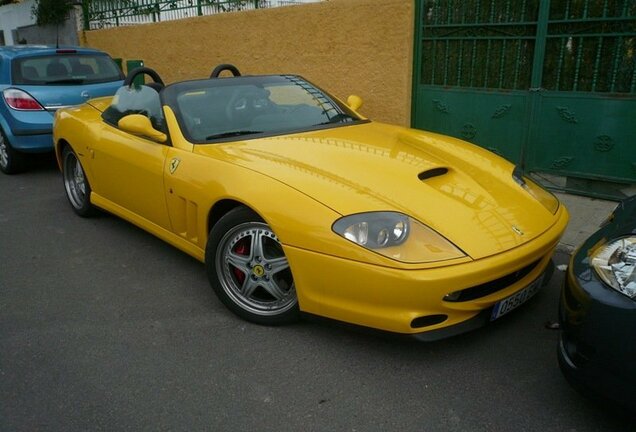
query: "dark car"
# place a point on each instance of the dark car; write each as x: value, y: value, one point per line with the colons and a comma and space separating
x: 36, y: 81
x: 597, y: 347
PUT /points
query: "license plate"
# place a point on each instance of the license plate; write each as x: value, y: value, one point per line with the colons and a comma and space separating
x: 517, y: 299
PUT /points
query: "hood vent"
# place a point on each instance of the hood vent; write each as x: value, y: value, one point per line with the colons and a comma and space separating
x: 435, y: 172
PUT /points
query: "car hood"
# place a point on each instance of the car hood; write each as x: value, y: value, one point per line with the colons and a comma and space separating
x: 462, y: 191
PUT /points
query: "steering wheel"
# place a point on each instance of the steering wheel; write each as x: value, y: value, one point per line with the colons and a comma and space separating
x: 225, y: 67
x: 238, y: 107
x: 143, y: 71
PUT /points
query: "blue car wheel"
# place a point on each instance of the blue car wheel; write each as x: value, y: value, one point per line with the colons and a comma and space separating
x: 11, y: 161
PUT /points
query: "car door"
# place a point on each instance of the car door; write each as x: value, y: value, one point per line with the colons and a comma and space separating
x: 128, y: 169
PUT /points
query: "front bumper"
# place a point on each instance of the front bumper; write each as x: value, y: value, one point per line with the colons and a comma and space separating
x: 412, y: 302
x: 479, y: 320
x: 597, y: 344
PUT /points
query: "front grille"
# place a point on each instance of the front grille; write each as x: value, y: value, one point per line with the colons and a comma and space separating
x: 488, y: 288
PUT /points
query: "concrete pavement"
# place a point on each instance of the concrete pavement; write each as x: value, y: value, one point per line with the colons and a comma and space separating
x: 586, y: 214
x: 104, y: 327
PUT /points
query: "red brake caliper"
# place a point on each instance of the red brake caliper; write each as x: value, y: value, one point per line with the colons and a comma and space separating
x: 241, y: 248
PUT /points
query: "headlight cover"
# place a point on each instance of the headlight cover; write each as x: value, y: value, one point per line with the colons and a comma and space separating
x: 548, y: 200
x: 396, y: 236
x: 615, y: 263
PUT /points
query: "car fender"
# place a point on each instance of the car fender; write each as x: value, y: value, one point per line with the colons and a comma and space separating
x: 72, y: 126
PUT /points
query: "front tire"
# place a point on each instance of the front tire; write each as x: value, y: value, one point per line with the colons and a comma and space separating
x: 11, y: 160
x: 248, y: 270
x: 78, y: 190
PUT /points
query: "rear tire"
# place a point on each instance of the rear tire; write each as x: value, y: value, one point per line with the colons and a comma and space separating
x: 11, y: 160
x: 78, y: 190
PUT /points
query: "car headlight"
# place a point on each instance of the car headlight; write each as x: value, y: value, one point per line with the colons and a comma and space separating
x: 615, y: 263
x: 396, y: 236
x: 548, y: 200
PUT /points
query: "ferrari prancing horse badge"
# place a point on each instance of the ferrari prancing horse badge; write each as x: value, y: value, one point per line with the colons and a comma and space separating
x: 174, y: 164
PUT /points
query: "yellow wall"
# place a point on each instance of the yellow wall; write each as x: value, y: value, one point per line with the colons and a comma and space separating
x: 364, y: 47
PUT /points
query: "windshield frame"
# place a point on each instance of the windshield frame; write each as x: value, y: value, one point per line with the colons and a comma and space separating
x: 170, y: 94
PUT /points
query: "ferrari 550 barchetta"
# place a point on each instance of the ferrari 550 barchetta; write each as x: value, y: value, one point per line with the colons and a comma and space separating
x: 297, y: 203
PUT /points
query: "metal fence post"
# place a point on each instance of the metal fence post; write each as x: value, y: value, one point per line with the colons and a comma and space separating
x: 534, y: 99
x: 85, y: 13
x: 539, y: 46
x: 417, y: 59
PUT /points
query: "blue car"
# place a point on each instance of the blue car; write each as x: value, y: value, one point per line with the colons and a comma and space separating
x: 597, y: 347
x: 35, y: 81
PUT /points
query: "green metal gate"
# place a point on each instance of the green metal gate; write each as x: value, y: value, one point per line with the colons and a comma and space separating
x: 548, y: 84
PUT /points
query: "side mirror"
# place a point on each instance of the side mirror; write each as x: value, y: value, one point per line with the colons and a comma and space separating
x: 140, y: 125
x: 354, y: 102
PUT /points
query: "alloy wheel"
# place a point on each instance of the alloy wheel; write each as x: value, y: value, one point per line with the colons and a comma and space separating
x: 74, y: 181
x: 253, y: 270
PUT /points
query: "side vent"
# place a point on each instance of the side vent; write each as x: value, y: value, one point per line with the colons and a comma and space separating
x: 184, y: 218
x: 428, y: 320
x: 435, y: 172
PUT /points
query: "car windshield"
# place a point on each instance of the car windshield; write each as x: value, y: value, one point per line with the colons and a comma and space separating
x: 65, y: 69
x: 232, y: 108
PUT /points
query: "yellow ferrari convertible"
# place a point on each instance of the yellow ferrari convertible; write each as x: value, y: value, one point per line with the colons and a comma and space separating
x: 296, y: 203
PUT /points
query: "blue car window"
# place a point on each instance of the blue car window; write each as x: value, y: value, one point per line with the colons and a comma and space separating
x: 65, y: 69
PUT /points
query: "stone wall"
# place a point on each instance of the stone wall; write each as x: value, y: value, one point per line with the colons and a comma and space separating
x: 362, y: 47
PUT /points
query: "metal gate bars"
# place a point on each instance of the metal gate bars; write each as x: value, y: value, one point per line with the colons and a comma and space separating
x: 550, y: 84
